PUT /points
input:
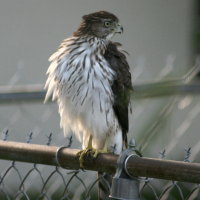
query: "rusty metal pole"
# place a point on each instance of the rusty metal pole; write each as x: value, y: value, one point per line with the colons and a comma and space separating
x: 136, y: 166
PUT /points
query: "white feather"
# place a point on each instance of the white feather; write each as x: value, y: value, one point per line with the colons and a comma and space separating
x: 83, y: 91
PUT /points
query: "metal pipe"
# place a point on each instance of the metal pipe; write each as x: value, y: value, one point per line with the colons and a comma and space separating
x: 164, y: 169
x: 68, y: 158
x: 180, y: 86
x: 29, y: 93
x: 22, y: 93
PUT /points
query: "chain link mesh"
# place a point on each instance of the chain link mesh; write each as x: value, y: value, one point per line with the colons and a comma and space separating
x: 35, y: 181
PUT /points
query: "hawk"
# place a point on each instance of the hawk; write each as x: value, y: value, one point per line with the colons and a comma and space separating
x: 90, y: 79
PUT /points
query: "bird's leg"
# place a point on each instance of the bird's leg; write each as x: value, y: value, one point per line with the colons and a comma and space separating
x: 84, y: 152
x: 89, y: 151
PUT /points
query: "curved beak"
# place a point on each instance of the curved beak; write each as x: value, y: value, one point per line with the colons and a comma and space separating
x: 119, y: 28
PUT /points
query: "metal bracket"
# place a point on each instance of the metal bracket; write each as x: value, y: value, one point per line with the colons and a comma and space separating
x: 57, y: 155
x: 124, y: 187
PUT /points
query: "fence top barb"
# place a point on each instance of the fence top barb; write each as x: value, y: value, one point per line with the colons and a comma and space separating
x: 105, y: 162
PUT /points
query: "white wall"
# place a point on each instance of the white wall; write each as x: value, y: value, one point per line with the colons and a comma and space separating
x: 31, y: 30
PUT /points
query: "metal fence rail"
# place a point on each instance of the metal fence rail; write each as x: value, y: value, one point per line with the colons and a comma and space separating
x: 68, y: 158
x: 30, y: 93
x: 179, y: 86
x: 45, y: 154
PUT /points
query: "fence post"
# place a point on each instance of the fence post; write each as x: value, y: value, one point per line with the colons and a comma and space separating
x: 124, y: 187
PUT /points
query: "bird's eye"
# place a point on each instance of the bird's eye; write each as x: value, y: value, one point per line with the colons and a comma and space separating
x: 107, y: 24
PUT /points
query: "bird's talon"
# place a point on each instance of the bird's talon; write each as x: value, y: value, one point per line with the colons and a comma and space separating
x: 88, y: 152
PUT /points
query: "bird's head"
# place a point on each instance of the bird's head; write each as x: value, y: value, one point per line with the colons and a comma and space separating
x: 100, y: 24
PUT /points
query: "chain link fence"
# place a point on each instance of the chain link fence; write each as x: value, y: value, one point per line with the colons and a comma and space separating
x: 36, y: 181
x: 54, y: 182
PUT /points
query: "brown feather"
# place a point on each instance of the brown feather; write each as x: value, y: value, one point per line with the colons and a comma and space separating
x: 100, y: 15
x: 93, y: 20
x: 121, y: 86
